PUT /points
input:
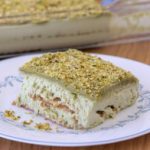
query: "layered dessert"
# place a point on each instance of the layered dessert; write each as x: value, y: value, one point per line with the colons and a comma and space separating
x: 76, y: 90
x: 43, y: 24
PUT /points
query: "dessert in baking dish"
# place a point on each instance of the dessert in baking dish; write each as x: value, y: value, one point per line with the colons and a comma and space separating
x: 27, y: 25
x: 42, y: 24
x: 76, y: 90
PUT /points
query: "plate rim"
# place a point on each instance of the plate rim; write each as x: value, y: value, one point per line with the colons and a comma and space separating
x: 59, y: 144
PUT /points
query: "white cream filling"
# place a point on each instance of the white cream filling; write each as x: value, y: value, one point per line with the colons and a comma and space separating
x: 86, y: 110
x: 118, y: 99
x: 34, y: 84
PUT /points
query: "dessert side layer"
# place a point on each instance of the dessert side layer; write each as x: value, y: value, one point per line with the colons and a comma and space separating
x: 72, y: 110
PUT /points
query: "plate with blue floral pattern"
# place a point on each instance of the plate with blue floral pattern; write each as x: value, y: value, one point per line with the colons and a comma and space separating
x: 132, y: 122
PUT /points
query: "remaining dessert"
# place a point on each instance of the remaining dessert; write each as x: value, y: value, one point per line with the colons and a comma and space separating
x: 75, y: 89
x: 43, y: 24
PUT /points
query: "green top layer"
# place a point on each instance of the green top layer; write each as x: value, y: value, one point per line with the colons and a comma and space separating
x: 79, y: 72
x: 39, y: 11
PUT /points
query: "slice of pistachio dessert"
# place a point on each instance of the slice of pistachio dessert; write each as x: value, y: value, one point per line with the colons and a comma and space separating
x: 76, y: 90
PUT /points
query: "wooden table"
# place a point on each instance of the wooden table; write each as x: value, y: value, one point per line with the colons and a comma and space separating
x: 136, y: 51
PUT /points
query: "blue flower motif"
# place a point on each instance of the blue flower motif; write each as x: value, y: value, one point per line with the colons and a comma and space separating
x: 9, y: 81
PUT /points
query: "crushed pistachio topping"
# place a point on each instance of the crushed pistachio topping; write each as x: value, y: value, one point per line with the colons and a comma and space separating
x: 39, y: 11
x: 79, y: 72
x: 43, y: 126
x: 11, y: 115
x: 25, y: 123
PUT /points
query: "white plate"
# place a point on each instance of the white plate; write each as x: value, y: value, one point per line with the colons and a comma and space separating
x: 130, y: 123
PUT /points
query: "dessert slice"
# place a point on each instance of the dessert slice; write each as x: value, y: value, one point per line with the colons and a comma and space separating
x: 76, y: 90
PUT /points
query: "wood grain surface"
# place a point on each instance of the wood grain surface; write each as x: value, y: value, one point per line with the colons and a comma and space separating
x: 135, y: 51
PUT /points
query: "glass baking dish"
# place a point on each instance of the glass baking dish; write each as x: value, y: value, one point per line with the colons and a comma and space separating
x: 129, y: 22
